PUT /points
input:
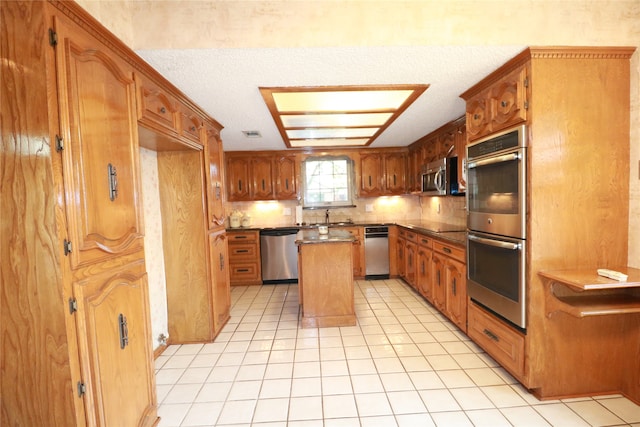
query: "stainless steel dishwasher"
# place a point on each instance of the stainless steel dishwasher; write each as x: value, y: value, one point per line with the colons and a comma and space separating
x: 279, y: 255
x: 376, y: 252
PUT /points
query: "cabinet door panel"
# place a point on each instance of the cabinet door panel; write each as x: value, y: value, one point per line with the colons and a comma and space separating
x: 439, y: 288
x: 238, y: 178
x: 262, y: 178
x: 99, y: 127
x: 215, y: 178
x: 424, y: 283
x: 508, y: 98
x: 395, y: 167
x: 286, y: 178
x: 370, y: 175
x: 477, y: 116
x: 456, y: 293
x: 220, y: 278
x: 116, y: 347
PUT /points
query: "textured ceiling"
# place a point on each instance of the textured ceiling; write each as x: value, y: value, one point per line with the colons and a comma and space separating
x: 225, y: 82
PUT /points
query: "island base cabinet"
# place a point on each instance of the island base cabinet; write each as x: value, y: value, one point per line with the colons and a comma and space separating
x: 113, y: 331
x: 326, y: 286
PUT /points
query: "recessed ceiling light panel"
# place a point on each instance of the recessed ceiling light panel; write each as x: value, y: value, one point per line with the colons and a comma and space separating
x: 337, y: 115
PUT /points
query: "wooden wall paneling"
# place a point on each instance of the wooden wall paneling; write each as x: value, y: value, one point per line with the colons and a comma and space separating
x: 578, y: 164
x: 180, y: 176
x: 37, y: 374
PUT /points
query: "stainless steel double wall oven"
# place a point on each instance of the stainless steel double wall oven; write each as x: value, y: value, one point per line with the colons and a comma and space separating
x: 496, y: 222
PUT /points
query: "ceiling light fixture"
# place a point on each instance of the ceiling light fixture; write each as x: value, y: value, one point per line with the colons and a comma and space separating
x: 337, y: 116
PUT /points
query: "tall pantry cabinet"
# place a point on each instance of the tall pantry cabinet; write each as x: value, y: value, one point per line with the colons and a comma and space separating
x: 75, y: 336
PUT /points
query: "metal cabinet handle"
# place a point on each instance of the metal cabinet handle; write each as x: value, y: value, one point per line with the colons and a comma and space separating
x: 239, y: 185
x: 491, y: 335
x: 193, y: 128
x: 454, y: 287
x: 221, y: 262
x: 242, y: 251
x: 438, y: 276
x: 163, y: 110
x: 263, y: 185
x: 113, y: 182
x: 124, y: 330
x: 446, y: 250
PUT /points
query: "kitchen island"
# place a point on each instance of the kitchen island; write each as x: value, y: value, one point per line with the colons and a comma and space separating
x: 325, y: 281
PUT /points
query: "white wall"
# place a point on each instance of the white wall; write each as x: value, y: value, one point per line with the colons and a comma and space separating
x: 153, y: 253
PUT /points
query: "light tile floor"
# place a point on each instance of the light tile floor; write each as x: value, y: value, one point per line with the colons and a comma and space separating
x: 404, y: 364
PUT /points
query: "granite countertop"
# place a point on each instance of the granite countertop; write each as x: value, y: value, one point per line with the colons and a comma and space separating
x: 335, y: 235
x: 455, y: 234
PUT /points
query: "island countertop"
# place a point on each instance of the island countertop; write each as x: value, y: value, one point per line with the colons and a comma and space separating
x: 335, y: 235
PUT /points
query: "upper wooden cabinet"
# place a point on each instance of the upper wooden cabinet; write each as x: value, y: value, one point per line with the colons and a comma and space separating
x: 215, y: 177
x: 100, y: 155
x: 167, y: 116
x: 156, y: 107
x: 371, y: 174
x: 261, y: 178
x: 502, y: 105
x: 382, y: 173
x: 266, y: 176
x: 286, y: 177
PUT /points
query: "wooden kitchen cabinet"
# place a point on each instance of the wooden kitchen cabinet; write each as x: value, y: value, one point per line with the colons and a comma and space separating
x: 286, y: 177
x: 424, y: 283
x: 382, y: 173
x: 156, y: 107
x: 75, y: 326
x: 395, y: 171
x: 244, y: 257
x: 189, y: 124
x: 261, y: 178
x: 451, y: 293
x: 532, y: 89
x: 100, y: 159
x: 266, y: 176
x: 371, y: 175
x: 215, y: 175
x: 357, y: 250
x: 114, y: 330
x: 219, y: 266
x: 237, y: 170
x: 500, y: 106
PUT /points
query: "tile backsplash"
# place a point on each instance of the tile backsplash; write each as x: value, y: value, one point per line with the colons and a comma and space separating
x: 377, y: 209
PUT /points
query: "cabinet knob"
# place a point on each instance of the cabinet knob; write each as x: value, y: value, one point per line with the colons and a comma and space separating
x: 163, y: 110
x: 193, y: 128
x: 504, y: 104
x: 476, y: 116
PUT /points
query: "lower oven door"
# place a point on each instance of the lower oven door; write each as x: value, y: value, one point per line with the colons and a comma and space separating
x: 496, y: 275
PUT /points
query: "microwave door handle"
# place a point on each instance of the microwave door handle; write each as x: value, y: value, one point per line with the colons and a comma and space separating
x: 493, y: 160
x: 439, y: 179
x: 496, y: 243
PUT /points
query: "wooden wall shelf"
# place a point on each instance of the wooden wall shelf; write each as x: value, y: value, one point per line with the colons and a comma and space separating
x: 582, y: 293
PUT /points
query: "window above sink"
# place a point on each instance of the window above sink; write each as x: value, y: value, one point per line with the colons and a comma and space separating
x: 327, y: 182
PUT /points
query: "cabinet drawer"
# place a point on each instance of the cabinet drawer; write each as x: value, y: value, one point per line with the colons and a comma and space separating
x: 240, y: 250
x: 242, y: 236
x: 425, y: 242
x: 155, y: 106
x: 502, y: 342
x: 190, y: 124
x: 449, y: 250
x: 411, y: 236
x: 245, y: 271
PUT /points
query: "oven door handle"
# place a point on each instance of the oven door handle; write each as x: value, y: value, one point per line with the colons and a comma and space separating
x: 496, y: 243
x: 490, y: 161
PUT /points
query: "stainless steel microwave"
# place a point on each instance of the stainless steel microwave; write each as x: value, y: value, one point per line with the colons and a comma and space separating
x: 440, y: 178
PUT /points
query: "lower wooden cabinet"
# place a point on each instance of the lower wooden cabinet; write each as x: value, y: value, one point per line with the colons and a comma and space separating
x: 114, y: 342
x: 244, y: 257
x: 357, y: 250
x: 219, y: 265
x: 502, y: 342
x: 437, y: 270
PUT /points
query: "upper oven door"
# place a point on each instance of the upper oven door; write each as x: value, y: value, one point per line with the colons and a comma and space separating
x: 496, y: 193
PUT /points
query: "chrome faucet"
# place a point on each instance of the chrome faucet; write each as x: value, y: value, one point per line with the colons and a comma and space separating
x: 326, y: 217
